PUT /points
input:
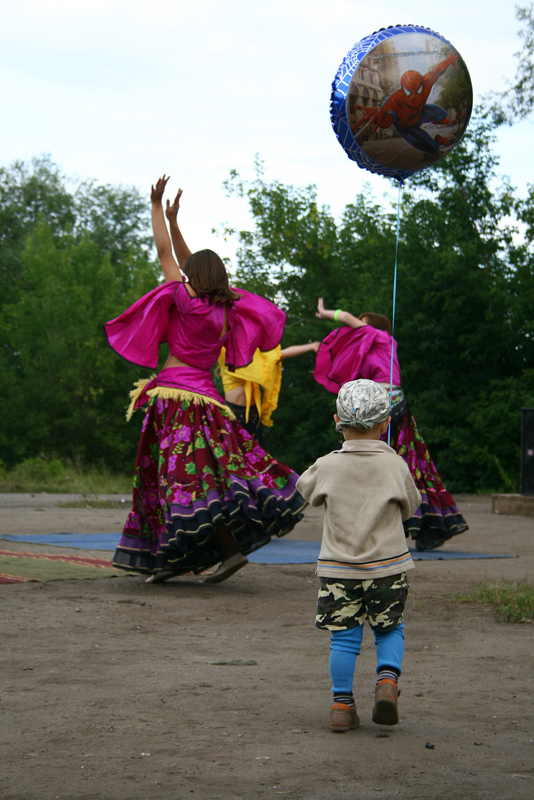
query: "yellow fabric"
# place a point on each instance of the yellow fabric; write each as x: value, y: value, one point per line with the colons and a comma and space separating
x: 264, y: 372
x: 168, y: 393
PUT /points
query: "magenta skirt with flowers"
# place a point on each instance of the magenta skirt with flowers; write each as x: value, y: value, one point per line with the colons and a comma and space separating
x: 196, y: 467
x: 438, y: 518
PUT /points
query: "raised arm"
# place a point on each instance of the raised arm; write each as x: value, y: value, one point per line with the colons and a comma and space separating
x: 337, y: 315
x: 181, y: 249
x: 297, y: 349
x: 170, y: 268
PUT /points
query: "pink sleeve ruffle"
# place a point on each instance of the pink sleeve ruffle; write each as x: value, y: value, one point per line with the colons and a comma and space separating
x: 341, y: 355
x: 137, y: 333
x: 258, y: 323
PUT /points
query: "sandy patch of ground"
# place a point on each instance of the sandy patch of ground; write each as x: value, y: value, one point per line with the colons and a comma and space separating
x: 110, y: 688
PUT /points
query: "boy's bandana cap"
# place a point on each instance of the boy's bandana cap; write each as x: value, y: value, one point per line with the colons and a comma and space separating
x: 361, y: 404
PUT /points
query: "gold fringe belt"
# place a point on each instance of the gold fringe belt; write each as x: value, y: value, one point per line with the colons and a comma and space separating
x: 171, y: 393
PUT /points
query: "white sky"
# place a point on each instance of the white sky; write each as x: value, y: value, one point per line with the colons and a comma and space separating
x: 123, y: 91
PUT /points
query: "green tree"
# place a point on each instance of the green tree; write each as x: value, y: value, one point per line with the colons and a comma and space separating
x: 27, y: 193
x: 456, y: 309
x: 520, y: 94
x: 82, y: 257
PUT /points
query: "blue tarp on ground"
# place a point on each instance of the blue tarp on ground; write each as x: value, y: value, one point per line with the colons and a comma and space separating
x: 278, y: 551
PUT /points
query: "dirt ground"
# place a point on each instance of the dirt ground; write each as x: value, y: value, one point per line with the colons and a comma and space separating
x: 113, y: 689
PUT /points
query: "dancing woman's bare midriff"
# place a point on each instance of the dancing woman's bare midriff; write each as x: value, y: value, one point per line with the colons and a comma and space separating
x: 172, y: 361
x: 236, y: 396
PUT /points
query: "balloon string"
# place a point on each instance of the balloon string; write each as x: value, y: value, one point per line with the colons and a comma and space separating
x: 401, y: 186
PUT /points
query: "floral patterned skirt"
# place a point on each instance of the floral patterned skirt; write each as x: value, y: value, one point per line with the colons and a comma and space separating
x: 196, y: 468
x: 437, y: 518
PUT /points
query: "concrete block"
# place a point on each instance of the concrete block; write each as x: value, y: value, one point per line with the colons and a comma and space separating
x: 513, y: 504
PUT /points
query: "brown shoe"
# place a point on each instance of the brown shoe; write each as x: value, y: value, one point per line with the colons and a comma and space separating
x: 343, y: 718
x: 385, y: 711
x: 227, y: 568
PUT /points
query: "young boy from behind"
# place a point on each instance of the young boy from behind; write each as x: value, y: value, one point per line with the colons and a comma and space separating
x: 367, y: 491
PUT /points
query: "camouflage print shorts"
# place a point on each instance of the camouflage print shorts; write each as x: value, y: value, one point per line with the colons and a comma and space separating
x: 344, y: 604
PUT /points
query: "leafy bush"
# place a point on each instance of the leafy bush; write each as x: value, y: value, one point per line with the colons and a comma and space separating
x: 41, y: 474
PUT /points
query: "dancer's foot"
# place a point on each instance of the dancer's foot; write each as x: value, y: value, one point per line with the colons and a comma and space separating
x: 428, y: 540
x: 160, y: 577
x: 227, y: 568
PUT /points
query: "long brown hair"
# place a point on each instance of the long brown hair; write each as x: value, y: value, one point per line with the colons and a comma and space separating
x: 377, y: 321
x: 207, y: 276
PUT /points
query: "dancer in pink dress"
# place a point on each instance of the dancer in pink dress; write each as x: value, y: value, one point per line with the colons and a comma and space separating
x: 362, y: 348
x: 204, y: 491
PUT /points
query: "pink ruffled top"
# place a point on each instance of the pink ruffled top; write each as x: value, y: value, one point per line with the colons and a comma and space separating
x: 348, y: 354
x: 191, y: 326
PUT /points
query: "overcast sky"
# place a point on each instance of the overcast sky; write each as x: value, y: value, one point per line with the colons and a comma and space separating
x: 124, y: 91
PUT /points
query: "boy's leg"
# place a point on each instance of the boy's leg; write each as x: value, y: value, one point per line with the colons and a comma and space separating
x: 345, y: 646
x: 389, y: 653
x: 340, y: 610
x: 385, y: 599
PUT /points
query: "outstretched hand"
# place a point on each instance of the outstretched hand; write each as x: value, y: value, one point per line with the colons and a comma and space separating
x: 156, y: 194
x: 171, y: 212
x: 320, y: 309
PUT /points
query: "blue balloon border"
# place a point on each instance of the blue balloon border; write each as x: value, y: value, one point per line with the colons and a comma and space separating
x: 340, y: 88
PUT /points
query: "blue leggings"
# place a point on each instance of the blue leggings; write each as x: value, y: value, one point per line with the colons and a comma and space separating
x: 346, y: 645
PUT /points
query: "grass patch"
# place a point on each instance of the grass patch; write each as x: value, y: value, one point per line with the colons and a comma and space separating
x: 54, y: 476
x: 511, y: 601
x: 93, y: 502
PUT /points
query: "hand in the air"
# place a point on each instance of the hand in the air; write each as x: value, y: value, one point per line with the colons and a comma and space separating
x: 171, y: 212
x: 156, y: 194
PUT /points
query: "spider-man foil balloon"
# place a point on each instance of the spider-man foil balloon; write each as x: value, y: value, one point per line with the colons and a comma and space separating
x: 401, y: 100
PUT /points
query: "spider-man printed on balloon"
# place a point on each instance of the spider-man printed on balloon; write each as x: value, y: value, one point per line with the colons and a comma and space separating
x: 401, y: 100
